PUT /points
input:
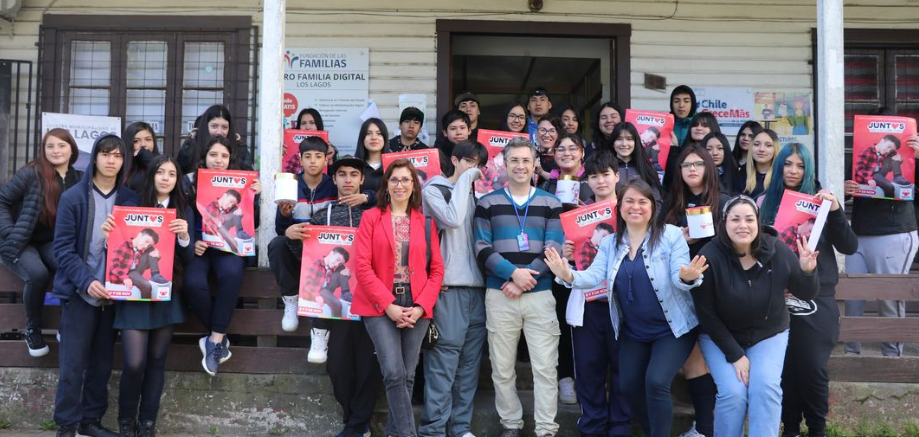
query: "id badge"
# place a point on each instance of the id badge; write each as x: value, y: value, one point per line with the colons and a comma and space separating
x: 523, y: 242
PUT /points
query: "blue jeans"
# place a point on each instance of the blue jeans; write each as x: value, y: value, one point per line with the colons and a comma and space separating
x: 762, y: 398
x: 398, y: 351
x: 451, y: 367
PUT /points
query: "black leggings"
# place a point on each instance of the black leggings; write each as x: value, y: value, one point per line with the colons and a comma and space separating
x: 36, y: 266
x: 144, y: 372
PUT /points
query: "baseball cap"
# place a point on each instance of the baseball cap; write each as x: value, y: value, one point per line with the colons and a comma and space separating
x: 538, y: 91
x: 464, y: 97
x: 347, y: 161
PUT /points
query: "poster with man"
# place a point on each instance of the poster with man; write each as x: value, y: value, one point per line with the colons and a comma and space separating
x: 654, y: 128
x: 801, y: 215
x: 227, y: 206
x: 290, y: 163
x: 327, y: 282
x: 426, y: 161
x: 495, y: 176
x: 140, y: 254
x: 882, y: 163
x: 586, y: 227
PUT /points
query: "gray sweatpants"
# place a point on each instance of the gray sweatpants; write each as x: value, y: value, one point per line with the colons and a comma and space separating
x: 882, y: 254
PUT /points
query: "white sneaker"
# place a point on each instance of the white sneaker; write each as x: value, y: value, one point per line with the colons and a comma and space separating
x: 291, y: 321
x: 692, y: 432
x: 319, y: 346
x: 566, y: 394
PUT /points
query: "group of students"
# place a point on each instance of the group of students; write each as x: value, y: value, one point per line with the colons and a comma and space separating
x: 489, y: 268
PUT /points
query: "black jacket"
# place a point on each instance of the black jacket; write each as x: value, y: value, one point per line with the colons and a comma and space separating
x: 188, y: 156
x: 738, y: 311
x: 21, y: 202
x: 839, y: 235
x: 884, y: 217
x: 138, y: 173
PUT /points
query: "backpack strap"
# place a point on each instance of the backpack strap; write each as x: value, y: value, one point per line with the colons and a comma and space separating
x: 427, y: 241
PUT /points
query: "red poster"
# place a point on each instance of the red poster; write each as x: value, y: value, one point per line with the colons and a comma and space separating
x: 141, y: 251
x: 801, y: 215
x: 586, y: 227
x: 326, y: 274
x: 426, y: 161
x: 655, y: 129
x: 227, y: 206
x: 883, y: 164
x: 292, y: 140
x: 495, y: 176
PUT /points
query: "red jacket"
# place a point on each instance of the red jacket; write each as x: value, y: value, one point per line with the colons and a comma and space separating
x: 375, y: 264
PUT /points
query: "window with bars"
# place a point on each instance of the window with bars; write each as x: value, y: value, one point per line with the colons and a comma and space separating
x: 161, y: 70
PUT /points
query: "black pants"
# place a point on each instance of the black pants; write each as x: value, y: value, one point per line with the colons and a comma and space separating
x: 805, y: 382
x: 354, y: 371
x: 565, y: 352
x: 35, y: 267
x: 87, y: 346
x: 143, y: 374
x: 214, y: 313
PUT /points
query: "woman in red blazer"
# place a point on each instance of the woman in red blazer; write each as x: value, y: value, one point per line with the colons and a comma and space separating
x: 396, y: 290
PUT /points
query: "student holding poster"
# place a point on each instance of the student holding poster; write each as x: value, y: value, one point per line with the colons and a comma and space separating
x: 398, y: 283
x: 654, y: 322
x: 147, y: 327
x: 633, y: 163
x: 814, y: 326
x: 883, y: 165
x: 87, y: 332
x: 655, y: 130
x: 293, y: 138
x: 604, y: 410
x: 215, y: 314
x: 887, y: 244
x: 494, y: 175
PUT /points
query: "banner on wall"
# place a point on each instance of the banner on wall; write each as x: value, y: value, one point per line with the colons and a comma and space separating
x: 85, y: 130
x: 227, y: 207
x: 789, y: 113
x: 587, y: 226
x: 732, y: 106
x: 140, y: 254
x: 882, y: 162
x: 334, y: 81
x: 327, y: 281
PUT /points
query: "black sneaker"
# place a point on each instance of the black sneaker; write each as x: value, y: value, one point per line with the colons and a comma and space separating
x: 35, y: 342
x: 66, y: 432
x: 147, y: 429
x: 159, y: 279
x: 213, y: 352
x: 95, y: 429
x: 127, y: 427
x: 510, y: 432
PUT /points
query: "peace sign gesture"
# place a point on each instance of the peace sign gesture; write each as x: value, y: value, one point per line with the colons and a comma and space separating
x: 695, y: 268
x: 806, y: 256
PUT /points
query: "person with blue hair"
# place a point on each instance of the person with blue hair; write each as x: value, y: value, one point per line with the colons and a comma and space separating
x: 814, y: 326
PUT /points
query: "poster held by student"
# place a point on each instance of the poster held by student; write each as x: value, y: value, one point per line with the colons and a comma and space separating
x: 140, y: 254
x: 655, y: 129
x: 290, y: 163
x: 426, y: 161
x: 495, y: 176
x: 801, y: 215
x: 227, y: 206
x: 586, y: 227
x: 883, y: 164
x: 326, y: 273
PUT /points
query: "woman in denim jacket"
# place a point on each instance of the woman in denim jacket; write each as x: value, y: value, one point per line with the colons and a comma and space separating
x: 649, y: 274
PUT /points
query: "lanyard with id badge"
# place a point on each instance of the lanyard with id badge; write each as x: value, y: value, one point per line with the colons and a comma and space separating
x: 523, y: 240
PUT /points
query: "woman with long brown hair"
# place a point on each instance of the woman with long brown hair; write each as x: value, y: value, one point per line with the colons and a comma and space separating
x: 28, y: 209
x: 399, y: 280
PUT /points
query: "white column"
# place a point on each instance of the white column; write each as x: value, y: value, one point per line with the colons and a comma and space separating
x: 831, y: 92
x: 271, y: 119
x: 831, y: 106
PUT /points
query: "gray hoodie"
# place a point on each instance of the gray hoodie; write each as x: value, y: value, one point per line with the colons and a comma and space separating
x: 455, y: 220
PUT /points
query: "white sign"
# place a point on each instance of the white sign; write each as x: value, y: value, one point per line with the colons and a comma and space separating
x: 732, y: 106
x: 85, y: 130
x: 334, y: 81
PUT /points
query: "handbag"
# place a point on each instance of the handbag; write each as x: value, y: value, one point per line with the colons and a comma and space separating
x: 433, y: 334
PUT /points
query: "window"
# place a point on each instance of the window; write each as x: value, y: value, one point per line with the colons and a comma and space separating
x: 161, y: 70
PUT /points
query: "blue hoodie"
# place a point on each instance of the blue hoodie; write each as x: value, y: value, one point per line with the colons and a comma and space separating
x: 73, y: 231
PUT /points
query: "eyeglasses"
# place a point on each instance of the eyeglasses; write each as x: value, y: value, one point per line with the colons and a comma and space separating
x: 697, y: 165
x: 514, y: 117
x: 404, y: 182
x: 564, y: 150
x: 544, y: 131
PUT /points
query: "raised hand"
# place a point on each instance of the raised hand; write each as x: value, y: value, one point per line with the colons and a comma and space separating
x: 558, y: 265
x: 695, y: 268
x: 807, y: 257
x: 826, y: 195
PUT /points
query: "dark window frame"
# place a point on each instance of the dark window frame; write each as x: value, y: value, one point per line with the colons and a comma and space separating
x: 620, y: 55
x: 236, y: 31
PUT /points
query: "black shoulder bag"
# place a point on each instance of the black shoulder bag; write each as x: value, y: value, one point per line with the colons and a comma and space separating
x: 430, y: 337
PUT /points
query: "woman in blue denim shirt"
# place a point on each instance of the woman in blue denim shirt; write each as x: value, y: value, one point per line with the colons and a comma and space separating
x: 649, y: 274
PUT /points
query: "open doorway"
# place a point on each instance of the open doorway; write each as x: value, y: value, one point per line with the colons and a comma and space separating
x: 583, y: 65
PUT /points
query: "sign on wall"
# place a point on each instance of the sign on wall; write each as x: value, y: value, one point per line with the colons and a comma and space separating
x: 732, y: 106
x: 334, y: 81
x: 84, y: 128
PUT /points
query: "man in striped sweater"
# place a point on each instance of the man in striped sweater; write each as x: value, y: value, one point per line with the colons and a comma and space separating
x: 513, y: 227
